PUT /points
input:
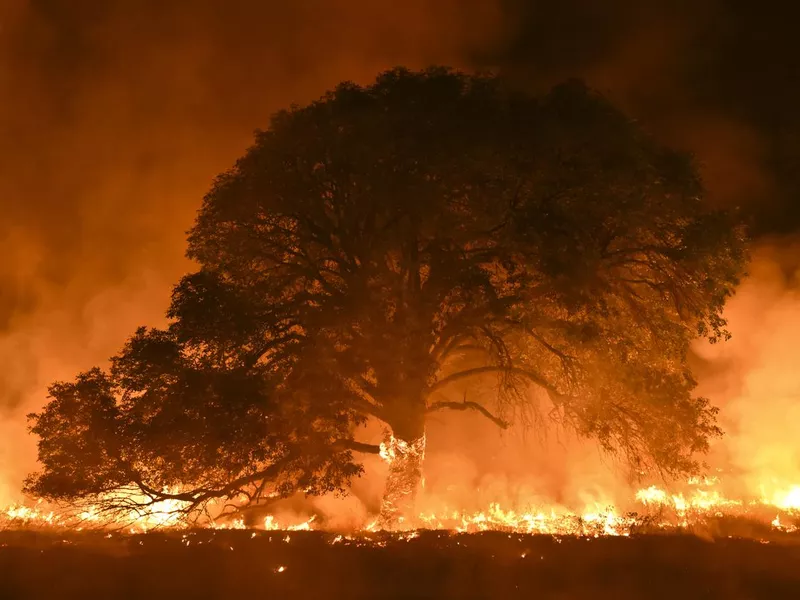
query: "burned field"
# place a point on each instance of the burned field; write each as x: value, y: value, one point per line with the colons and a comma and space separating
x: 427, y: 564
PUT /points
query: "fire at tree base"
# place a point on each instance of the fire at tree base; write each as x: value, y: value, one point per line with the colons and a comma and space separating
x: 403, y: 480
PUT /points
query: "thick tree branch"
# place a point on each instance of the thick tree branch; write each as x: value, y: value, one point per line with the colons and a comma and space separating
x: 469, y: 405
x: 469, y: 373
x: 565, y: 358
x: 195, y: 498
x: 358, y: 446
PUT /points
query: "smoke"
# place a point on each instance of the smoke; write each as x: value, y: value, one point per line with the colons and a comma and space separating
x: 754, y: 377
x: 56, y: 341
x: 674, y: 67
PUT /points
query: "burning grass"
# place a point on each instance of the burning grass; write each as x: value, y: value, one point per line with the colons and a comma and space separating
x: 700, y: 505
x: 697, y: 540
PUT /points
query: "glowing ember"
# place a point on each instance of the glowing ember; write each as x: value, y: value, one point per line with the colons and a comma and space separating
x: 271, y: 524
x: 776, y: 524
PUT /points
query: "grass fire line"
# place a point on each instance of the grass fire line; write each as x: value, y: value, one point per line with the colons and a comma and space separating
x: 657, y: 510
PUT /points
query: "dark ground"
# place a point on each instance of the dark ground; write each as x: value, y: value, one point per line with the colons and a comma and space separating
x: 239, y: 564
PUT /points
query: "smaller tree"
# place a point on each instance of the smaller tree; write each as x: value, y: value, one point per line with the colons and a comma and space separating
x: 380, y: 250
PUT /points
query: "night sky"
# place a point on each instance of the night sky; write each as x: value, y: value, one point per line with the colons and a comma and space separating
x: 115, y: 115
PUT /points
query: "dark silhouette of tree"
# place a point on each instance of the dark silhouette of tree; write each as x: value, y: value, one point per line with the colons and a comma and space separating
x: 435, y: 241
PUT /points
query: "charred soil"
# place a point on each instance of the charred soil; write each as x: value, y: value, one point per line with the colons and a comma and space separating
x: 244, y: 564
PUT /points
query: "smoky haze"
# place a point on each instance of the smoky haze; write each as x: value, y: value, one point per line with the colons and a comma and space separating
x: 116, y: 115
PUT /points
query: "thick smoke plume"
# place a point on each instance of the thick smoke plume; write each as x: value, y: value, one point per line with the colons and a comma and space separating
x: 755, y: 377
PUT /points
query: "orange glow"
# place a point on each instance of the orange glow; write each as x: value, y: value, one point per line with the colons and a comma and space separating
x: 474, y: 483
x: 655, y: 507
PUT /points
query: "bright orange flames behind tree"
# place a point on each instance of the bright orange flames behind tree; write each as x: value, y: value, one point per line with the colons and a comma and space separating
x: 388, y: 247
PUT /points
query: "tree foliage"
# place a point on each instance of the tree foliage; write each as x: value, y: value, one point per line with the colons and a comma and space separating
x: 381, y: 250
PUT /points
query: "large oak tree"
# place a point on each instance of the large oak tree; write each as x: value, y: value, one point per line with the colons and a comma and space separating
x: 434, y: 241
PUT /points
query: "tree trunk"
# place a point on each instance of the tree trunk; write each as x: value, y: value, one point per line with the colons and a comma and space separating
x: 405, y: 453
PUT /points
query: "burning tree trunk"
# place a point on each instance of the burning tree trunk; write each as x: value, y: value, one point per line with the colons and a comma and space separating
x: 404, y: 451
x: 405, y: 475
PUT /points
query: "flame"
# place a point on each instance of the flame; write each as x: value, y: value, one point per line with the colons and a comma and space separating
x: 405, y: 473
x: 777, y: 524
x: 655, y: 506
x: 787, y: 499
x: 697, y: 501
x: 163, y: 514
x: 272, y: 524
x: 693, y: 503
x: 553, y: 522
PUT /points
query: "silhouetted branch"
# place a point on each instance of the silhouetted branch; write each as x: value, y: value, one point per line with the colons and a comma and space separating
x: 197, y: 497
x: 469, y: 405
x: 469, y: 373
x: 358, y: 446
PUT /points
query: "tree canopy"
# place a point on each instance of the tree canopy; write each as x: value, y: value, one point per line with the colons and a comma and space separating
x: 383, y: 253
